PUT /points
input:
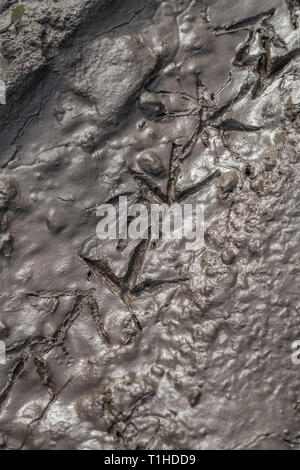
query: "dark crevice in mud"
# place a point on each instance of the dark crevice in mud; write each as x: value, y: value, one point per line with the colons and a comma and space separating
x: 174, y: 172
x: 279, y: 63
x: 233, y: 125
x: 245, y: 23
x: 135, y: 265
x: 190, y: 144
x: 189, y: 192
x: 150, y: 286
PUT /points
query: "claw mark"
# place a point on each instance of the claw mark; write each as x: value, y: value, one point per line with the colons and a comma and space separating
x: 94, y: 309
x: 174, y: 171
x: 13, y: 376
x: 42, y: 370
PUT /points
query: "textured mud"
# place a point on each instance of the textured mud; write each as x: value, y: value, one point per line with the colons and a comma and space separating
x: 146, y: 345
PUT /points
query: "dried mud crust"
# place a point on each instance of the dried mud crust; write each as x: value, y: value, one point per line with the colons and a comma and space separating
x: 141, y: 345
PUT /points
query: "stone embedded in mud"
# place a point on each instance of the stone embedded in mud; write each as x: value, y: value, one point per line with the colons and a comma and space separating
x: 229, y: 254
x: 158, y: 371
x: 150, y: 163
x: 195, y: 397
x: 56, y: 220
x: 227, y: 183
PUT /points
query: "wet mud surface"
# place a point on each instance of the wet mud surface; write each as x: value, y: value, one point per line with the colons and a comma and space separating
x: 143, y: 345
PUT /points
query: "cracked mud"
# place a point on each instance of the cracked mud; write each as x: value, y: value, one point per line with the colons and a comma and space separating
x: 141, y: 344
